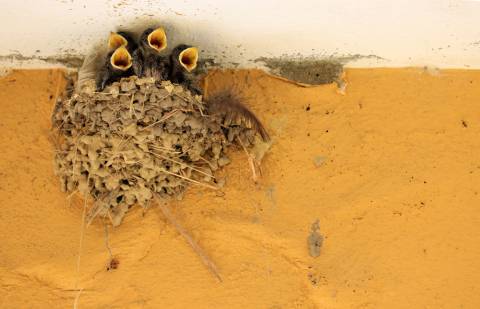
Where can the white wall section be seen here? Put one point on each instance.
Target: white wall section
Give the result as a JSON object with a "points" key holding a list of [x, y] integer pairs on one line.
{"points": [[404, 33]]}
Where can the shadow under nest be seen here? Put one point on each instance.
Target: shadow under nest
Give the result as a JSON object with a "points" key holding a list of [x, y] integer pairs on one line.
{"points": [[141, 139]]}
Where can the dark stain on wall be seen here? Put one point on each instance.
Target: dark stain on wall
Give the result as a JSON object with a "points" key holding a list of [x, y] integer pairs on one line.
{"points": [[311, 70]]}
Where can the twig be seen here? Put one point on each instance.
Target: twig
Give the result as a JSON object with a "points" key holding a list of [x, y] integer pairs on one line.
{"points": [[124, 142], [250, 160], [108, 93], [206, 161], [191, 180], [94, 211], [110, 217], [181, 97], [77, 297], [74, 161], [198, 250], [182, 163], [72, 194], [156, 147], [106, 240], [80, 247], [132, 110], [168, 115]]}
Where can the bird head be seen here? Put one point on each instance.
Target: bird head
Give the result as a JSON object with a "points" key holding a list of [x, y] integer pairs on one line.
{"points": [[154, 39], [186, 56], [121, 59], [115, 40]]}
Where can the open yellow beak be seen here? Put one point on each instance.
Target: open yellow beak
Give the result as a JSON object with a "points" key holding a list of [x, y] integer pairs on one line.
{"points": [[115, 40], [121, 59], [188, 58], [157, 39]]}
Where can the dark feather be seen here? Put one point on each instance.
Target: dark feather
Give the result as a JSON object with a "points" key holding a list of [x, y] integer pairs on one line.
{"points": [[138, 60], [147, 62], [131, 45], [177, 73], [232, 108]]}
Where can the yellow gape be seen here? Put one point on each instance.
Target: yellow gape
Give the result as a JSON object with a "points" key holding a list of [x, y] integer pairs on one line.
{"points": [[157, 39], [115, 40], [188, 58], [121, 59]]}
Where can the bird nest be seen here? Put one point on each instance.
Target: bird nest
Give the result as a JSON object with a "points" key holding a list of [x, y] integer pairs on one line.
{"points": [[140, 139]]}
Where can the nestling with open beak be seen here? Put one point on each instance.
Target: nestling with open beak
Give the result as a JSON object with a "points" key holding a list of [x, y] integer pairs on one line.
{"points": [[148, 59], [183, 61], [96, 63], [121, 38], [118, 64]]}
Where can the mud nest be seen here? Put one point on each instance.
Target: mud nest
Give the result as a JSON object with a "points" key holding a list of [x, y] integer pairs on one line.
{"points": [[140, 139]]}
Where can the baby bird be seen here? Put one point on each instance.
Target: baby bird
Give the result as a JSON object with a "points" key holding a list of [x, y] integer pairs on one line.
{"points": [[118, 61], [117, 64], [121, 38], [148, 60], [183, 60]]}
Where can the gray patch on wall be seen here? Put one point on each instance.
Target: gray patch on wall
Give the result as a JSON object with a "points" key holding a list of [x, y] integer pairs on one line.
{"points": [[311, 70], [67, 60], [307, 71]]}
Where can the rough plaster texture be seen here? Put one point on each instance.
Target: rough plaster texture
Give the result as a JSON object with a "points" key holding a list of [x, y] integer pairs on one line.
{"points": [[401, 33]]}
